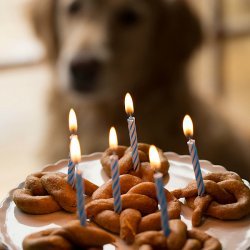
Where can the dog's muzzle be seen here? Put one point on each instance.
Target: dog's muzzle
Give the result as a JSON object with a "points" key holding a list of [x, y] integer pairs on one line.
{"points": [[84, 73]]}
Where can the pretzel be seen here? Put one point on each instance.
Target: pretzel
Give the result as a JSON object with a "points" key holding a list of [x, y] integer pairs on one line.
{"points": [[69, 237], [226, 197], [46, 192], [127, 181], [139, 204], [179, 238], [145, 171]]}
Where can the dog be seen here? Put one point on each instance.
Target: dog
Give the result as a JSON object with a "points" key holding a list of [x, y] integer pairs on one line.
{"points": [[100, 49]]}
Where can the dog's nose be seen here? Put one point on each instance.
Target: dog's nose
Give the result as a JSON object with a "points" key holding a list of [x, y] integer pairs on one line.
{"points": [[84, 73]]}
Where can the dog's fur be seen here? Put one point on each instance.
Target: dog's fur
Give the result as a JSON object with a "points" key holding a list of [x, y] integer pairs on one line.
{"points": [[144, 52]]}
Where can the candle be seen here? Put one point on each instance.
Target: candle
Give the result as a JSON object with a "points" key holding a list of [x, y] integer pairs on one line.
{"points": [[155, 164], [115, 172], [73, 130], [75, 152], [80, 198], [188, 131], [129, 108]]}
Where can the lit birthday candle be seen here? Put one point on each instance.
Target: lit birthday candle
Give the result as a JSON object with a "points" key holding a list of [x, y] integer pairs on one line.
{"points": [[188, 131], [129, 108], [75, 152], [155, 164], [73, 131], [113, 143]]}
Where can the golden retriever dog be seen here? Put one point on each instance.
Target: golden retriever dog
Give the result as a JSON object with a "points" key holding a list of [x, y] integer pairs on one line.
{"points": [[100, 49]]}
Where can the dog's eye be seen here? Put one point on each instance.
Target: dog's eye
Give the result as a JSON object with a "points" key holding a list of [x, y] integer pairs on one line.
{"points": [[127, 17], [74, 7]]}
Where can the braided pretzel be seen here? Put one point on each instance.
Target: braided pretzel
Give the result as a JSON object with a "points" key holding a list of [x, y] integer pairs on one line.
{"points": [[140, 208], [46, 192], [71, 236], [127, 181], [179, 238], [126, 165], [226, 198]]}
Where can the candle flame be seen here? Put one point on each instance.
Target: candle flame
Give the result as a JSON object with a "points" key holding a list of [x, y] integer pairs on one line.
{"points": [[113, 142], [188, 126], [129, 107], [72, 122], [154, 157], [75, 149]]}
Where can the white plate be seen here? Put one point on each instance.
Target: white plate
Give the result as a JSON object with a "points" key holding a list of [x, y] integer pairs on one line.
{"points": [[15, 225]]}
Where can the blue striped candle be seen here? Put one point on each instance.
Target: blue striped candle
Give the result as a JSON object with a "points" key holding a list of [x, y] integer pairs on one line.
{"points": [[73, 131], [80, 198], [188, 131], [196, 166], [71, 173], [132, 131], [163, 203], [113, 143], [133, 142], [116, 184]]}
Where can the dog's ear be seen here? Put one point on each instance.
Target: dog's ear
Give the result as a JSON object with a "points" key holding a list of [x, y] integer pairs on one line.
{"points": [[43, 18], [180, 29], [186, 28]]}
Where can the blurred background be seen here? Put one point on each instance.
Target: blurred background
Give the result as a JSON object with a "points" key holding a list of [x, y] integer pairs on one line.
{"points": [[219, 73]]}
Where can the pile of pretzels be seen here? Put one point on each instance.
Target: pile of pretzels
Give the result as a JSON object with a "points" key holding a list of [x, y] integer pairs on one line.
{"points": [[139, 223], [139, 208], [145, 171]]}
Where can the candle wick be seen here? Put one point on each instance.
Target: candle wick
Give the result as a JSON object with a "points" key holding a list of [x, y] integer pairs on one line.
{"points": [[76, 166], [130, 114], [72, 135]]}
